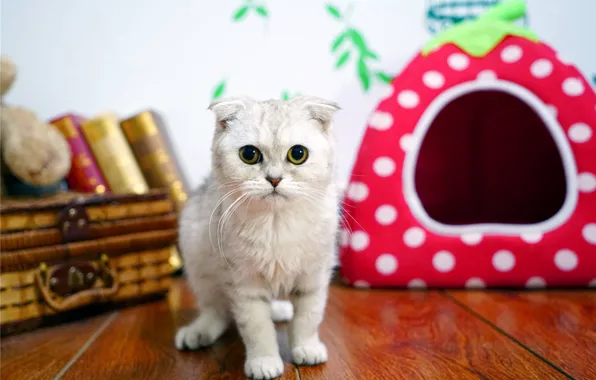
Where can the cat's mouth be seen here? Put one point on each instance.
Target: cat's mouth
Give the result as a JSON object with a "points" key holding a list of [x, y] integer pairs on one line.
{"points": [[275, 195]]}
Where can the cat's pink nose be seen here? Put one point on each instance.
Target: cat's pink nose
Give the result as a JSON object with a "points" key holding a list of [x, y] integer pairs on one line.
{"points": [[273, 181]]}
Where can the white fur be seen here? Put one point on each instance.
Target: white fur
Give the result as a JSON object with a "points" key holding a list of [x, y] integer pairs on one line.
{"points": [[243, 246]]}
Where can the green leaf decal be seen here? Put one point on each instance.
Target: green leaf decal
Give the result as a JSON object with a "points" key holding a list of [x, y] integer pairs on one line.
{"points": [[338, 41], [358, 40], [219, 90], [364, 74], [342, 59], [262, 11], [333, 11], [384, 77], [240, 13], [371, 55]]}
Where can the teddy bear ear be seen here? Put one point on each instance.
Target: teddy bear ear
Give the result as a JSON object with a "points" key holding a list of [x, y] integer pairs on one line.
{"points": [[8, 71]]}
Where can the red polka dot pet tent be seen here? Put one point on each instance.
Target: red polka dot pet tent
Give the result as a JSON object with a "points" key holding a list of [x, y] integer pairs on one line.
{"points": [[478, 169]]}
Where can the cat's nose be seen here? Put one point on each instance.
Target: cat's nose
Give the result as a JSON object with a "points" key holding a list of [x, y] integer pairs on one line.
{"points": [[273, 181]]}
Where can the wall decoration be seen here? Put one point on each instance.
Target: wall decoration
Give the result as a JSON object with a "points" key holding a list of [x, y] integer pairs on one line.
{"points": [[285, 95], [350, 45], [248, 7], [219, 90], [441, 14]]}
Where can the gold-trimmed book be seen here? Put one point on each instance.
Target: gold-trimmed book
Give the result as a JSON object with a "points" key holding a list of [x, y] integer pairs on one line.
{"points": [[114, 156], [144, 134]]}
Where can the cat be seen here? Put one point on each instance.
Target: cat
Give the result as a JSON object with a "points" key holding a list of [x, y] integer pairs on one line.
{"points": [[262, 227]]}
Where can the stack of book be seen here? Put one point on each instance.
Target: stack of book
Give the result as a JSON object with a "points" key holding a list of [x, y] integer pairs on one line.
{"points": [[131, 155]]}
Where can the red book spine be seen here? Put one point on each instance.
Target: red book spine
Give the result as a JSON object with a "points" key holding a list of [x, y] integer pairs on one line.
{"points": [[84, 175]]}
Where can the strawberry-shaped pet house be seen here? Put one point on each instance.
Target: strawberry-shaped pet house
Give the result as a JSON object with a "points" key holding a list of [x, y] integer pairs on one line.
{"points": [[479, 169]]}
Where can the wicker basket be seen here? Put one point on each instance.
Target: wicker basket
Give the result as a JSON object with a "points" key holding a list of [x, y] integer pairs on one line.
{"points": [[63, 254]]}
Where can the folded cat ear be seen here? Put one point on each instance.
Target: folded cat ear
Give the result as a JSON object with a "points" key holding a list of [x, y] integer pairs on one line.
{"points": [[226, 109], [320, 109]]}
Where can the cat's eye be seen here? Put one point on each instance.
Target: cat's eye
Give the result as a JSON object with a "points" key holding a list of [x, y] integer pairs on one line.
{"points": [[250, 154], [297, 154]]}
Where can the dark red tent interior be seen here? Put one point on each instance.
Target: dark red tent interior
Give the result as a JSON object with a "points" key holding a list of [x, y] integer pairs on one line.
{"points": [[488, 158]]}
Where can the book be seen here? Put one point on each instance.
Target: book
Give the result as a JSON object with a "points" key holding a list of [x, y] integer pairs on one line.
{"points": [[113, 155], [154, 155], [85, 175]]}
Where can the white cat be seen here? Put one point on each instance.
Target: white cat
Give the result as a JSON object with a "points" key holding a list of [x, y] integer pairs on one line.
{"points": [[263, 226]]}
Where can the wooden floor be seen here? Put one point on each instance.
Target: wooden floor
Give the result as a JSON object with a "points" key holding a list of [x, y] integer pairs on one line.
{"points": [[370, 335]]}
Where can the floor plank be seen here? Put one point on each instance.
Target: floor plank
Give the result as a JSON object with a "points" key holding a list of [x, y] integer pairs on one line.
{"points": [[384, 335], [42, 353], [139, 344], [559, 326]]}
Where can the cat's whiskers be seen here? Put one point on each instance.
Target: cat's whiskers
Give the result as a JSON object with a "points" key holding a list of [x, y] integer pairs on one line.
{"points": [[219, 202], [222, 221]]}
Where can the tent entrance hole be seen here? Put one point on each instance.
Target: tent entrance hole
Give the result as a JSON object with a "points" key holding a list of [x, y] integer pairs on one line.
{"points": [[487, 157]]}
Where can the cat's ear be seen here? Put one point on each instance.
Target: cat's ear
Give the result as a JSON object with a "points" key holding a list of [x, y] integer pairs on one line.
{"points": [[226, 109], [321, 110]]}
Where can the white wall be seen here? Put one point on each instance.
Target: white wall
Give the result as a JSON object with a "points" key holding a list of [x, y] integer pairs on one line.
{"points": [[127, 55]]}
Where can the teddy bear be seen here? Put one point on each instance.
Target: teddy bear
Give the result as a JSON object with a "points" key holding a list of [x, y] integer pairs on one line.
{"points": [[34, 153]]}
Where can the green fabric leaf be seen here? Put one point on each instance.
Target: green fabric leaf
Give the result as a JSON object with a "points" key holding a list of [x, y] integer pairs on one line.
{"points": [[262, 11], [386, 78], [358, 40], [240, 13], [219, 90], [342, 59], [478, 37], [364, 74], [338, 41], [333, 11]]}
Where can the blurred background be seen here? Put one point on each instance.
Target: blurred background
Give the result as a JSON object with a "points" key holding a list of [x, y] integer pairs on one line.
{"points": [[124, 56]]}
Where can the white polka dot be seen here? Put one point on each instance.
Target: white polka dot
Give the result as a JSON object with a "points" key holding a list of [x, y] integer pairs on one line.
{"points": [[408, 99], [511, 54], [541, 68], [433, 79], [357, 191], [475, 283], [359, 241], [589, 233], [586, 182], [458, 61], [381, 120], [386, 264], [443, 261], [566, 260], [503, 260], [486, 75], [592, 283], [344, 238], [384, 166], [532, 237], [386, 214], [414, 237], [387, 92], [580, 132], [417, 283], [535, 282], [405, 142], [573, 87], [361, 284], [471, 238], [553, 110]]}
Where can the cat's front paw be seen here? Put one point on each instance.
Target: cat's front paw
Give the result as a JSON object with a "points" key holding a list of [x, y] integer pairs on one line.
{"points": [[310, 353], [192, 338], [265, 367]]}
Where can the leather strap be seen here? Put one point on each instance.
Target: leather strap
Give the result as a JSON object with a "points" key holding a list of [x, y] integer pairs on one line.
{"points": [[82, 298]]}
